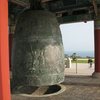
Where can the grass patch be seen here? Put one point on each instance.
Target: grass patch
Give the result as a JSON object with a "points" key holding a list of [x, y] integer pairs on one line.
{"points": [[82, 61]]}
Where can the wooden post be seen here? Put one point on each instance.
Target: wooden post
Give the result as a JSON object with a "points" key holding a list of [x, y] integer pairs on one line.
{"points": [[4, 52]]}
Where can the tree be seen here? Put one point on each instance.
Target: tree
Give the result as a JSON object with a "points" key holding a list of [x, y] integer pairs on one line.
{"points": [[74, 56]]}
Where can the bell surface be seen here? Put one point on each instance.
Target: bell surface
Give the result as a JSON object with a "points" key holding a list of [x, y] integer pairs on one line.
{"points": [[37, 53]]}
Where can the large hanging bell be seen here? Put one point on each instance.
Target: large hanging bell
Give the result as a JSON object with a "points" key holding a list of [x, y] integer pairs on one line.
{"points": [[37, 53]]}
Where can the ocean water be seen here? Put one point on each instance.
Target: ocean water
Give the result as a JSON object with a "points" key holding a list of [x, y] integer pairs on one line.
{"points": [[81, 53]]}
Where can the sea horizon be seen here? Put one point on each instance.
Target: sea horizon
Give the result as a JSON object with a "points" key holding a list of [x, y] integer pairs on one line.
{"points": [[81, 53]]}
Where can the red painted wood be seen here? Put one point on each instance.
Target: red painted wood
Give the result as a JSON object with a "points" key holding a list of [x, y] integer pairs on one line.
{"points": [[97, 50], [4, 52]]}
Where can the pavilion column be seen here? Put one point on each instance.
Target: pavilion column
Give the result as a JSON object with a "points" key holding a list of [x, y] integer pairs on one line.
{"points": [[97, 47], [4, 52]]}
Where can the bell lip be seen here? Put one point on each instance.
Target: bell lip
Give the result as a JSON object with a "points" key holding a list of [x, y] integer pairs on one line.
{"points": [[44, 80]]}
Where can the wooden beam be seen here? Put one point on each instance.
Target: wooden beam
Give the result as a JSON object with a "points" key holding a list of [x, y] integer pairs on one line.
{"points": [[20, 3], [4, 52], [45, 1], [95, 7], [75, 9]]}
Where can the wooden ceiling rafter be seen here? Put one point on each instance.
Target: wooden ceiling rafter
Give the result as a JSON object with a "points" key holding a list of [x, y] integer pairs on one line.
{"points": [[20, 3], [95, 7], [43, 1]]}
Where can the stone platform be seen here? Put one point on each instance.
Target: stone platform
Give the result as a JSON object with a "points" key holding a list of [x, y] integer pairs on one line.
{"points": [[77, 88]]}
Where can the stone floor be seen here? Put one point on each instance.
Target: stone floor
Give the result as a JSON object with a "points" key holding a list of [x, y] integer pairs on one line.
{"points": [[72, 93], [80, 69], [79, 86]]}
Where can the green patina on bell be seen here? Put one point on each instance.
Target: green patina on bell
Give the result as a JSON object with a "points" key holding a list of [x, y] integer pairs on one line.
{"points": [[37, 53]]}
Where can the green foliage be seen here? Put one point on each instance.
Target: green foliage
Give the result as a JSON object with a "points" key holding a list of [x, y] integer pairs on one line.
{"points": [[74, 57], [81, 61]]}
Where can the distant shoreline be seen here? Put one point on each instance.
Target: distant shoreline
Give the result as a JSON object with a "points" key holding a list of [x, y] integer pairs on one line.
{"points": [[81, 53]]}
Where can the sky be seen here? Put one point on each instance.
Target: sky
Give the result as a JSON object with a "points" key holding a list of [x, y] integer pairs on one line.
{"points": [[78, 36]]}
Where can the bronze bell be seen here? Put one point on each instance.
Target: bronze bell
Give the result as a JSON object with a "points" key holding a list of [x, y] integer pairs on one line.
{"points": [[37, 53]]}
